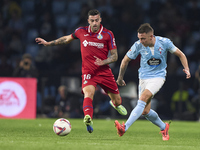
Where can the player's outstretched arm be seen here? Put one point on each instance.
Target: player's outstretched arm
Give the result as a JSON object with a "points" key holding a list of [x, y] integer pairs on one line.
{"points": [[122, 70], [63, 40], [184, 62]]}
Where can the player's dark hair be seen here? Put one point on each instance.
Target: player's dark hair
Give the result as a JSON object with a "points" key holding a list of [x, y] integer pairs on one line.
{"points": [[94, 12], [145, 28]]}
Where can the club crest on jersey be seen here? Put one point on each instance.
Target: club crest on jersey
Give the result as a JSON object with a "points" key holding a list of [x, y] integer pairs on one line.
{"points": [[160, 49], [99, 36]]}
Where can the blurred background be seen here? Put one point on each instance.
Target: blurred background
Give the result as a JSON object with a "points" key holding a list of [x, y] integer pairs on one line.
{"points": [[58, 68]]}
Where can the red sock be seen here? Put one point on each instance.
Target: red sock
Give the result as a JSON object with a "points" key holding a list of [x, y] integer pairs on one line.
{"points": [[88, 107]]}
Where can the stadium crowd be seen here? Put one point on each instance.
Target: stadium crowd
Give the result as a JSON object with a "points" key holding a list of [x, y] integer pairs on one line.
{"points": [[21, 21]]}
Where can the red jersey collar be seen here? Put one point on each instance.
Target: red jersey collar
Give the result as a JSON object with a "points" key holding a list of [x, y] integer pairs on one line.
{"points": [[99, 32]]}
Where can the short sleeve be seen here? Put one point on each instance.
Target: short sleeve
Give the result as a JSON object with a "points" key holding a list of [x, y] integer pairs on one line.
{"points": [[76, 33], [133, 52], [170, 46], [73, 35]]}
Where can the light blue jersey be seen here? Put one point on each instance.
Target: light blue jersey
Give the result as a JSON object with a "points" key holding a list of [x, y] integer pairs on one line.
{"points": [[152, 66]]}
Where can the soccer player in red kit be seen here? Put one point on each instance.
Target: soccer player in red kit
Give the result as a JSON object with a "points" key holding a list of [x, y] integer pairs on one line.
{"points": [[96, 42]]}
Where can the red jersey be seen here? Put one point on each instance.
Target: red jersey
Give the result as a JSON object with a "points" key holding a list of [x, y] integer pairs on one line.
{"points": [[94, 44]]}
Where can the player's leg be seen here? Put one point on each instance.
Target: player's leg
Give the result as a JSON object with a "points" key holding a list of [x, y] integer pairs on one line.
{"points": [[135, 113], [144, 97], [152, 116], [116, 103], [154, 86], [116, 99], [139, 108], [88, 91], [109, 85]]}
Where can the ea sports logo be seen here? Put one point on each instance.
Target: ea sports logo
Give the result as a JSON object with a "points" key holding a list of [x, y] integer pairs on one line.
{"points": [[12, 98]]}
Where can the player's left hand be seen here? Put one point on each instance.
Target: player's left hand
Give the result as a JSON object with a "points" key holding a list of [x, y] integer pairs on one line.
{"points": [[98, 61], [187, 72]]}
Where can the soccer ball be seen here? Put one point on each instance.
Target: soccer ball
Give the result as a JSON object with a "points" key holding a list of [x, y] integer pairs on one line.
{"points": [[62, 127]]}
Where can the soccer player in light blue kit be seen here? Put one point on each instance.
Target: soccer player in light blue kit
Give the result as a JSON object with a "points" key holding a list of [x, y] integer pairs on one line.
{"points": [[152, 72]]}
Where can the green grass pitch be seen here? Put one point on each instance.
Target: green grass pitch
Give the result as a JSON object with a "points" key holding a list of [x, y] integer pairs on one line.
{"points": [[142, 135]]}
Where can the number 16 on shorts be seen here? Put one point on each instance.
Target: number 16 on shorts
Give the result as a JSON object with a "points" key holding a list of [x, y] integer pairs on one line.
{"points": [[86, 76]]}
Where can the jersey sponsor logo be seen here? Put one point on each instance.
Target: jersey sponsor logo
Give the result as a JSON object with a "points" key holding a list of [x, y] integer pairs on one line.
{"points": [[154, 62], [95, 44], [86, 34], [99, 36], [85, 43]]}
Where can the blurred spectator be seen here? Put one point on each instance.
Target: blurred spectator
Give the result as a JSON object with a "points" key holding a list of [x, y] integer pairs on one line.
{"points": [[2, 45], [75, 69], [26, 68], [15, 24], [2, 23], [83, 14], [41, 7], [67, 104], [196, 97], [104, 7], [44, 58], [197, 77], [46, 26], [5, 67], [10, 6], [15, 46], [181, 105], [196, 85], [192, 12]]}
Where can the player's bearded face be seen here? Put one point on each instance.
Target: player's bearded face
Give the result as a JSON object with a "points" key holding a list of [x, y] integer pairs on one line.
{"points": [[94, 22]]}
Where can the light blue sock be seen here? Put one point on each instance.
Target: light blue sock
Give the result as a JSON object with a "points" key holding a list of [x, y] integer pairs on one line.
{"points": [[135, 114], [155, 119]]}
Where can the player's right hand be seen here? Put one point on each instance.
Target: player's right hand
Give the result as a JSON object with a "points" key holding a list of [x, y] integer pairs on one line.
{"points": [[41, 41], [121, 82]]}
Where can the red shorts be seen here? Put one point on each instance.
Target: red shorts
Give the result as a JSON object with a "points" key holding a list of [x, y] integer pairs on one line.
{"points": [[107, 83]]}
